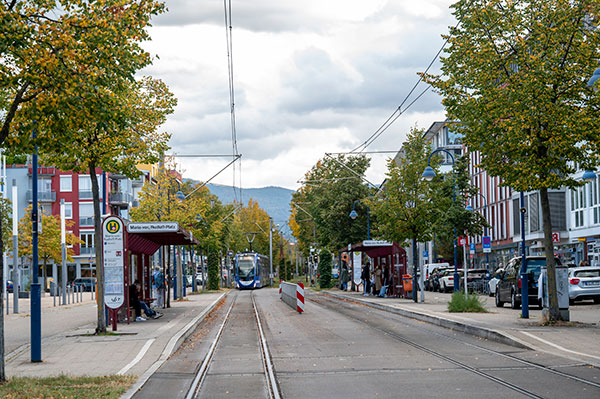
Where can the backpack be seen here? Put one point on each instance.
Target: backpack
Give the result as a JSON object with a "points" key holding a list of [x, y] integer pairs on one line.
{"points": [[158, 280]]}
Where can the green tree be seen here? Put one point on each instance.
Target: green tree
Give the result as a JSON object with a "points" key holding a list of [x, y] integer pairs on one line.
{"points": [[322, 205], [515, 76], [324, 268], [212, 264]]}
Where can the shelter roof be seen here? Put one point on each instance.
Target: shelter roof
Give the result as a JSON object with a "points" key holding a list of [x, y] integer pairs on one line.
{"points": [[148, 237], [377, 248]]}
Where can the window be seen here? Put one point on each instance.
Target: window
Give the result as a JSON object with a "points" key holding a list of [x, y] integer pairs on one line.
{"points": [[44, 185], [452, 137], [88, 239], [85, 184], [578, 204], [66, 183], [68, 210], [86, 214], [595, 199]]}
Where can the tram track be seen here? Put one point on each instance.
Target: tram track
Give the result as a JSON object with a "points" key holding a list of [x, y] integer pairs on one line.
{"points": [[269, 373], [334, 304]]}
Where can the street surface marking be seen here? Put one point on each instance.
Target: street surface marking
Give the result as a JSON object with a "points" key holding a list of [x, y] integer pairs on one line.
{"points": [[139, 357], [559, 347]]}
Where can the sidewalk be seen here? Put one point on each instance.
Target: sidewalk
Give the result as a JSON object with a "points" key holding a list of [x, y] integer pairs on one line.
{"points": [[69, 346], [578, 341]]}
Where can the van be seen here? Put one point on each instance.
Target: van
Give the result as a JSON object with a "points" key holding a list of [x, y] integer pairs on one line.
{"points": [[430, 266]]}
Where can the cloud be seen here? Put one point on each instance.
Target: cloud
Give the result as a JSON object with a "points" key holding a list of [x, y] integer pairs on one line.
{"points": [[310, 77]]}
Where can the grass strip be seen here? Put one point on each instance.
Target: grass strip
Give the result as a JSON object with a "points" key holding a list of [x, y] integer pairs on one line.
{"points": [[65, 387]]}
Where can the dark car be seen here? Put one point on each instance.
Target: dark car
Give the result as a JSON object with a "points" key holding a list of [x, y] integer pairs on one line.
{"points": [[434, 278], [509, 287], [87, 283], [9, 286]]}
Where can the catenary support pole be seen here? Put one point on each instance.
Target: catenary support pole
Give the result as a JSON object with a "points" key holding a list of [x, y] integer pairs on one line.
{"points": [[63, 250], [16, 271], [36, 305]]}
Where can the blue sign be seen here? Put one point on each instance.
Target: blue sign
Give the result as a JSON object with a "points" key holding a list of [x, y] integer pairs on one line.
{"points": [[487, 244], [426, 254], [472, 248]]}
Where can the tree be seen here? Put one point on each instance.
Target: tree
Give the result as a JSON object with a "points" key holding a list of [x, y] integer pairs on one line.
{"points": [[324, 268], [321, 206], [515, 76], [49, 240], [212, 264]]}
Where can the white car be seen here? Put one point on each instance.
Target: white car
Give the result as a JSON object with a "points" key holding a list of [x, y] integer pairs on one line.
{"points": [[584, 283], [447, 280], [494, 281]]}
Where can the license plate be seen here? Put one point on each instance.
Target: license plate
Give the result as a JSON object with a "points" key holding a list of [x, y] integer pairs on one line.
{"points": [[591, 283]]}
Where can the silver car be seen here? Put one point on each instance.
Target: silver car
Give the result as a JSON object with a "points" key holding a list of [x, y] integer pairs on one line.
{"points": [[494, 281], [584, 283]]}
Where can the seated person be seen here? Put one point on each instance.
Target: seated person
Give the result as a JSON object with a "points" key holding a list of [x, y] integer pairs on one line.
{"points": [[137, 305]]}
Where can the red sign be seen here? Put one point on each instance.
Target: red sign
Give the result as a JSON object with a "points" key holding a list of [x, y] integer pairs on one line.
{"points": [[463, 240], [556, 236]]}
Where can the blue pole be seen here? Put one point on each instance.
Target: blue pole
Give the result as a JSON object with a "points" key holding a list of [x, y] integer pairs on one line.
{"points": [[36, 304], [524, 277], [368, 227], [183, 271], [174, 272]]}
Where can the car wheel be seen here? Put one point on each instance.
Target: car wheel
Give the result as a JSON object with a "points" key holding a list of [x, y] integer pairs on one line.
{"points": [[441, 289], [597, 300], [571, 301], [514, 304], [499, 303]]}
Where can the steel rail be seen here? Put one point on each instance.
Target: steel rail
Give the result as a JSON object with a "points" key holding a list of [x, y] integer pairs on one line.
{"points": [[270, 374], [443, 357]]}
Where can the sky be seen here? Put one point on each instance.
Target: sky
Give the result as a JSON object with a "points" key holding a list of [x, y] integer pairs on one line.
{"points": [[310, 77]]}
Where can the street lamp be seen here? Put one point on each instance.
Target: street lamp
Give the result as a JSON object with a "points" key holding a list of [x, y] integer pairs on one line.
{"points": [[428, 175], [353, 215]]}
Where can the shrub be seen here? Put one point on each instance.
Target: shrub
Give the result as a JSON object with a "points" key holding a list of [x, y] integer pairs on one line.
{"points": [[212, 264], [471, 303], [325, 269]]}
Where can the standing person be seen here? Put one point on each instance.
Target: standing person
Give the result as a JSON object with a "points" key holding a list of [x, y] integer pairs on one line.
{"points": [[377, 280], [344, 276], [366, 278], [158, 287]]}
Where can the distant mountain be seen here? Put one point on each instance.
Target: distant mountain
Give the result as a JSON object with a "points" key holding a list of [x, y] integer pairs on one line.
{"points": [[274, 200]]}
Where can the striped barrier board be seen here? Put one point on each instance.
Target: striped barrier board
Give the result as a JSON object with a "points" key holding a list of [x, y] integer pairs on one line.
{"points": [[293, 295]]}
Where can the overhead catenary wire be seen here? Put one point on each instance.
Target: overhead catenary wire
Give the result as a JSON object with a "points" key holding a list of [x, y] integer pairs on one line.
{"points": [[399, 110]]}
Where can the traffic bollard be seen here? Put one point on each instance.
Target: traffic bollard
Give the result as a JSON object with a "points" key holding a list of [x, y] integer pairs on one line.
{"points": [[53, 293]]}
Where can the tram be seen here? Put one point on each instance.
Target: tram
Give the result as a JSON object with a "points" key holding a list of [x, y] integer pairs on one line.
{"points": [[251, 270]]}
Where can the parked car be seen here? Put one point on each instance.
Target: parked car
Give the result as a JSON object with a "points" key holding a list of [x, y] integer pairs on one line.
{"points": [[446, 280], [9, 286], [509, 287], [87, 283], [433, 282], [429, 269], [584, 283], [494, 281]]}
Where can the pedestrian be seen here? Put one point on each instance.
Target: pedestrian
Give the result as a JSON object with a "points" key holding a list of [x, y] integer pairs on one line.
{"points": [[137, 305], [365, 276], [377, 278], [158, 287], [344, 277]]}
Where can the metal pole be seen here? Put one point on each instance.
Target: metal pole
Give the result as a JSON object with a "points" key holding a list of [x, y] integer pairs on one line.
{"points": [[523, 272], [36, 305], [270, 253], [465, 265], [174, 268], [368, 225], [16, 273]]}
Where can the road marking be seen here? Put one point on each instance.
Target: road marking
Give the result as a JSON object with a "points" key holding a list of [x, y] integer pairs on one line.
{"points": [[559, 347], [139, 357]]}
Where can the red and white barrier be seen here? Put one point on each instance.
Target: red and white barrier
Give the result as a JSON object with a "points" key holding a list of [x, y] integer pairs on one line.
{"points": [[293, 295]]}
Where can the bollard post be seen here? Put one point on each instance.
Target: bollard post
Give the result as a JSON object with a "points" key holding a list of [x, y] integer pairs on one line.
{"points": [[81, 293], [73, 295], [68, 295], [53, 287]]}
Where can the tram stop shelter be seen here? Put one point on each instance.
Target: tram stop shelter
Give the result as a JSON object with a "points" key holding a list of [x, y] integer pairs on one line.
{"points": [[142, 241], [390, 256]]}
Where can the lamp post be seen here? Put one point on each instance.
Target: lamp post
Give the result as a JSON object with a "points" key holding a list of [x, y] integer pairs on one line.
{"points": [[429, 174], [353, 215]]}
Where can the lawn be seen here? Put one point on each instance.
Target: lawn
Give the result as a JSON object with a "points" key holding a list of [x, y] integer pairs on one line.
{"points": [[64, 387]]}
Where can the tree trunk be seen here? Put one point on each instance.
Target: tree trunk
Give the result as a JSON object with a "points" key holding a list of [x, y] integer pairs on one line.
{"points": [[554, 313], [2, 284], [168, 285], [101, 327]]}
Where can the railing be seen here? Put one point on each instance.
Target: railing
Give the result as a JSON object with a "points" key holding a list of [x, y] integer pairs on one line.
{"points": [[43, 196], [120, 198], [86, 222], [87, 251]]}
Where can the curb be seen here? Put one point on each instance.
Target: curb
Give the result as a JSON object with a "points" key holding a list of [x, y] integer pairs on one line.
{"points": [[173, 344], [492, 335]]}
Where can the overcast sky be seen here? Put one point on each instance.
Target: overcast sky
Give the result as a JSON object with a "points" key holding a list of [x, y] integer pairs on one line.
{"points": [[311, 76]]}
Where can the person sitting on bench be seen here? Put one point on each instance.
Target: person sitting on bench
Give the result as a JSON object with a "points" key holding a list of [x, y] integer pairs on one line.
{"points": [[137, 305]]}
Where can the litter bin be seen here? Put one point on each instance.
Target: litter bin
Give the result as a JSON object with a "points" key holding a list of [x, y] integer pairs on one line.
{"points": [[407, 282]]}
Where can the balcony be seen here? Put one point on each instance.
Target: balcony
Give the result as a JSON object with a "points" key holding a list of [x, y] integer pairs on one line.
{"points": [[86, 221], [120, 198], [43, 196], [87, 251]]}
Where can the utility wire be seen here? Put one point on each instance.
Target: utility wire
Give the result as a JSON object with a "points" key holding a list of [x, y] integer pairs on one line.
{"points": [[399, 111]]}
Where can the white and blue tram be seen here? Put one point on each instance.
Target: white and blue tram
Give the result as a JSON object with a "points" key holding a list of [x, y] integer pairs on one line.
{"points": [[251, 270]]}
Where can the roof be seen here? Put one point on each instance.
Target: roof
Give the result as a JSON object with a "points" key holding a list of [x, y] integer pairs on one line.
{"points": [[146, 238]]}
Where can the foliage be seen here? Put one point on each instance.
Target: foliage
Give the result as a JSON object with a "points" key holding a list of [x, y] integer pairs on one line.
{"points": [[515, 76], [49, 245], [324, 268], [288, 270], [320, 208], [6, 215], [281, 269], [65, 387], [212, 263], [471, 303]]}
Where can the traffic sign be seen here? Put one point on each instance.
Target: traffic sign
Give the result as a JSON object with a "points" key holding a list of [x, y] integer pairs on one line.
{"points": [[472, 248], [556, 236], [426, 254], [487, 244]]}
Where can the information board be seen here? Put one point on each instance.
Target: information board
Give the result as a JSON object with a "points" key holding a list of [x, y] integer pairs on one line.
{"points": [[113, 251], [357, 266]]}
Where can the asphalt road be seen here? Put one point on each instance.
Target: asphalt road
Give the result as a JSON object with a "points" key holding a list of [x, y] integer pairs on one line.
{"points": [[344, 350]]}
